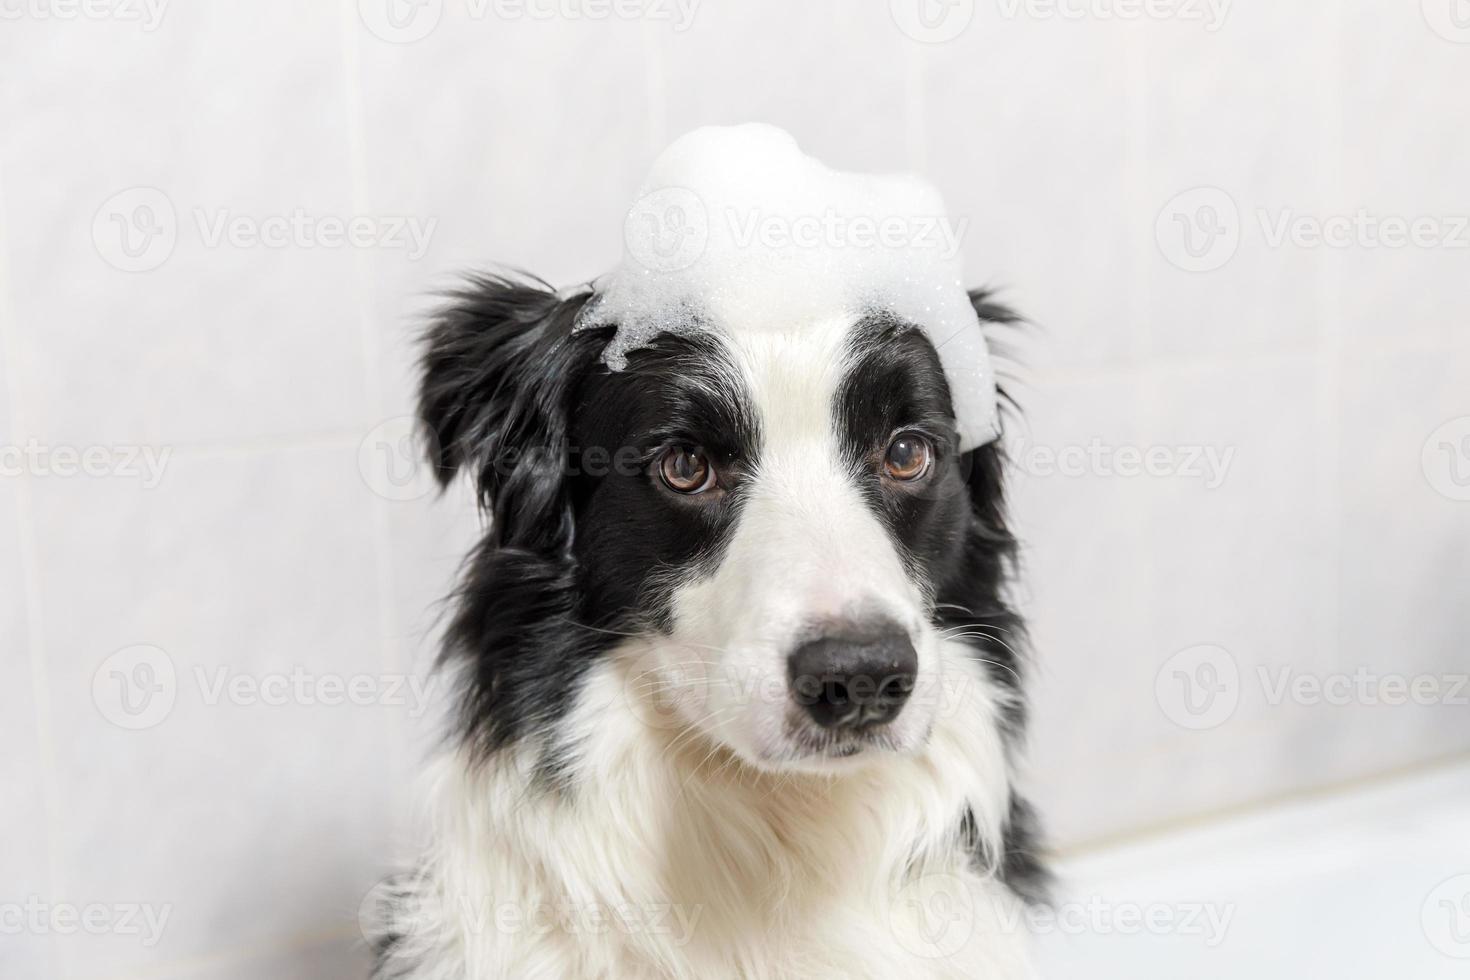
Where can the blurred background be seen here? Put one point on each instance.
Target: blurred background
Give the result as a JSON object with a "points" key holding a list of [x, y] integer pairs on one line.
{"points": [[1243, 481]]}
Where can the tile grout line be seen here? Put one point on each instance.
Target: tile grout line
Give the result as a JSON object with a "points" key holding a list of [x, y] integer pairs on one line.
{"points": [[326, 439], [1329, 345], [388, 633], [29, 554], [916, 130], [1073, 374], [1138, 46]]}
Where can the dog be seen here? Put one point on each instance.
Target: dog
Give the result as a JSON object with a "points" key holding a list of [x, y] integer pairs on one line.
{"points": [[739, 690]]}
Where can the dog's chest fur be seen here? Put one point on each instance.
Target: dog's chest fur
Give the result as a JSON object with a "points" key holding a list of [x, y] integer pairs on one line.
{"points": [[660, 859]]}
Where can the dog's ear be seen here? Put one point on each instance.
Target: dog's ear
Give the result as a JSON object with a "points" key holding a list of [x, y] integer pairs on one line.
{"points": [[986, 466], [989, 310], [499, 368], [1001, 326]]}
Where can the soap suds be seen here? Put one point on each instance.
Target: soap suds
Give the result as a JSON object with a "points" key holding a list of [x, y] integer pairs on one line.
{"points": [[735, 229]]}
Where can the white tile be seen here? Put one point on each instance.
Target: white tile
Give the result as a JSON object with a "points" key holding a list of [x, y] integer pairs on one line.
{"points": [[24, 834], [1037, 161], [1401, 84], [251, 821], [746, 63], [1244, 564], [6, 425], [1405, 548], [1200, 775], [1241, 110], [428, 540], [1256, 567], [1140, 567], [234, 109], [427, 534], [1084, 578], [523, 140]]}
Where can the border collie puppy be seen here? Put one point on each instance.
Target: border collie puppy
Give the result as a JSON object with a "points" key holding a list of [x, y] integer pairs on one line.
{"points": [[740, 695]]}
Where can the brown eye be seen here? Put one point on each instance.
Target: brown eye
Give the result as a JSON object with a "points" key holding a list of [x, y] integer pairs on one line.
{"points": [[909, 457], [686, 470]]}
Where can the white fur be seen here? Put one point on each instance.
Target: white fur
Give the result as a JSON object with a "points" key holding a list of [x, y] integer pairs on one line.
{"points": [[718, 869], [687, 819], [807, 550]]}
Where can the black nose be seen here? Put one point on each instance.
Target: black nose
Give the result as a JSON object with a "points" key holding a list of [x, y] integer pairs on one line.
{"points": [[854, 679]]}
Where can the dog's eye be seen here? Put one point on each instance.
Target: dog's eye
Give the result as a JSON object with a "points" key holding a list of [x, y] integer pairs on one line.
{"points": [[686, 470], [909, 457]]}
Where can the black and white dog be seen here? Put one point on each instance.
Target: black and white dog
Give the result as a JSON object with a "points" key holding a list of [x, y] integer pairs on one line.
{"points": [[741, 695]]}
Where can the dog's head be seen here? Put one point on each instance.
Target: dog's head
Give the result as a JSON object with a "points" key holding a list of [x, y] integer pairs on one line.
{"points": [[774, 532]]}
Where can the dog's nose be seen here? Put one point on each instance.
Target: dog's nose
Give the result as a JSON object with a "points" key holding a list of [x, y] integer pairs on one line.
{"points": [[854, 680]]}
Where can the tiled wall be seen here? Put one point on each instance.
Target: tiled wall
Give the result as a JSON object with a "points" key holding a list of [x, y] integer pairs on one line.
{"points": [[276, 544]]}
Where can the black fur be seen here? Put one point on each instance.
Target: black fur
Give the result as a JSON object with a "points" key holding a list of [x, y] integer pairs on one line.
{"points": [[583, 542], [633, 533], [500, 365], [953, 533]]}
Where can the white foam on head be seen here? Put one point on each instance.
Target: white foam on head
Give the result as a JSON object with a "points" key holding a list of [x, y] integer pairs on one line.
{"points": [[735, 229]]}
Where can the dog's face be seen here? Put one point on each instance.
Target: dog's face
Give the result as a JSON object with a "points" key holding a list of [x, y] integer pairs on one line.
{"points": [[770, 525], [796, 496]]}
